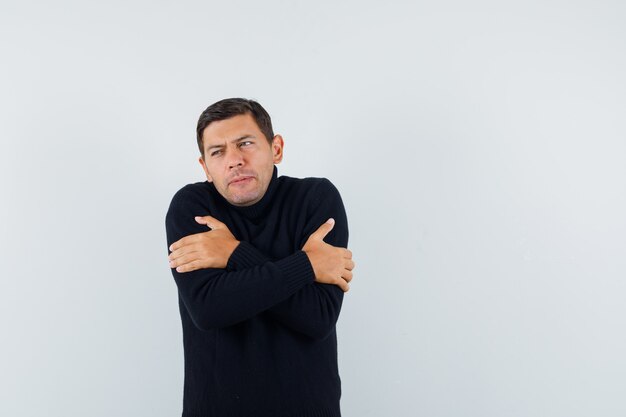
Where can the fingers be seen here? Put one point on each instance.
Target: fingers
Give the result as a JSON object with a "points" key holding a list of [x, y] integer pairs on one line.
{"points": [[179, 258], [323, 230], [188, 244], [210, 221], [347, 276], [203, 219], [191, 266], [343, 284], [181, 243], [349, 264], [175, 246]]}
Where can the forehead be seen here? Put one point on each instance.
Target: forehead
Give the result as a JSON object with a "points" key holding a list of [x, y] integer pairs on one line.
{"points": [[229, 129]]}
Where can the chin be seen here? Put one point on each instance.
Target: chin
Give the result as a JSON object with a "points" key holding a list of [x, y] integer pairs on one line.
{"points": [[244, 200]]}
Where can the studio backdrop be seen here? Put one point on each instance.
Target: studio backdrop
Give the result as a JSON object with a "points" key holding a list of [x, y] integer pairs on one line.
{"points": [[479, 148]]}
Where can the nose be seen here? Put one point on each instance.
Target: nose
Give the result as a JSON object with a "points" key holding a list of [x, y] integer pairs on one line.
{"points": [[235, 158]]}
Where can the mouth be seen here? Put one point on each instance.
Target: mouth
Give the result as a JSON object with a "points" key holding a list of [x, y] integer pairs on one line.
{"points": [[241, 180]]}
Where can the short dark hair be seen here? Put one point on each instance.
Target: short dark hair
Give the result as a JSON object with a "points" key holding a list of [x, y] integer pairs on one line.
{"points": [[230, 107]]}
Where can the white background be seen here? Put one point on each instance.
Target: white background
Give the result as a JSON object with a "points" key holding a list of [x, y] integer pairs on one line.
{"points": [[479, 148]]}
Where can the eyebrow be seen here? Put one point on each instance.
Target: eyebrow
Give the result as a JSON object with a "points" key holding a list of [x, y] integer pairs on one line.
{"points": [[239, 139]]}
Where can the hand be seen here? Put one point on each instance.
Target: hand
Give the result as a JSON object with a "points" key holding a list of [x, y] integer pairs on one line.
{"points": [[331, 265], [203, 250]]}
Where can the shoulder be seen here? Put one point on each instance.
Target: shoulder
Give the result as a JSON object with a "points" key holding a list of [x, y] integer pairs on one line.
{"points": [[309, 186], [317, 200], [195, 188], [191, 195], [311, 195]]}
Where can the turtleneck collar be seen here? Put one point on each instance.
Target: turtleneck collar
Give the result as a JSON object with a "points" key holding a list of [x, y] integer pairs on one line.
{"points": [[257, 209]]}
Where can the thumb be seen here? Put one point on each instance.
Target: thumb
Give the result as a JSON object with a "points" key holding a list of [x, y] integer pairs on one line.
{"points": [[324, 229], [211, 222]]}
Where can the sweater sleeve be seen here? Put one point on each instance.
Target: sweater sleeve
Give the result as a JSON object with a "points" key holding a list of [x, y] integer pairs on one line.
{"points": [[217, 297], [314, 309]]}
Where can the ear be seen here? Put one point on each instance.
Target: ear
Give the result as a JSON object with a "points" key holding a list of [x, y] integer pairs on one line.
{"points": [[277, 148], [206, 171]]}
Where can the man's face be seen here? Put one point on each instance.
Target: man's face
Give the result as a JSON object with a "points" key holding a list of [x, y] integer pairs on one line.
{"points": [[238, 159]]}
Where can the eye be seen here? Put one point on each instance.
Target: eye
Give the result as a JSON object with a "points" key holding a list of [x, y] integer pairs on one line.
{"points": [[216, 152], [245, 143]]}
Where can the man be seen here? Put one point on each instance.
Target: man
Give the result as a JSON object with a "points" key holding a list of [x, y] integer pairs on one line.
{"points": [[260, 290]]}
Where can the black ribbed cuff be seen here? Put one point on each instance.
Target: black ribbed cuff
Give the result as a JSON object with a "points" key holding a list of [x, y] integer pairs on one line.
{"points": [[245, 256], [297, 270]]}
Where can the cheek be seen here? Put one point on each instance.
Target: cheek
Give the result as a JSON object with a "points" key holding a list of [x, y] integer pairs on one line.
{"points": [[212, 172]]}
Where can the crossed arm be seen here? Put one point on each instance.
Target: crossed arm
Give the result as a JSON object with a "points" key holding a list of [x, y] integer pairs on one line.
{"points": [[213, 249], [222, 281]]}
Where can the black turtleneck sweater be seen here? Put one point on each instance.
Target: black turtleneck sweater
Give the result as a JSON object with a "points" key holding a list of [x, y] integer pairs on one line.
{"points": [[259, 336]]}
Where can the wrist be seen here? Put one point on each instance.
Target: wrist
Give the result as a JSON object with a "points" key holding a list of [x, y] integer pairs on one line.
{"points": [[312, 260], [229, 249]]}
